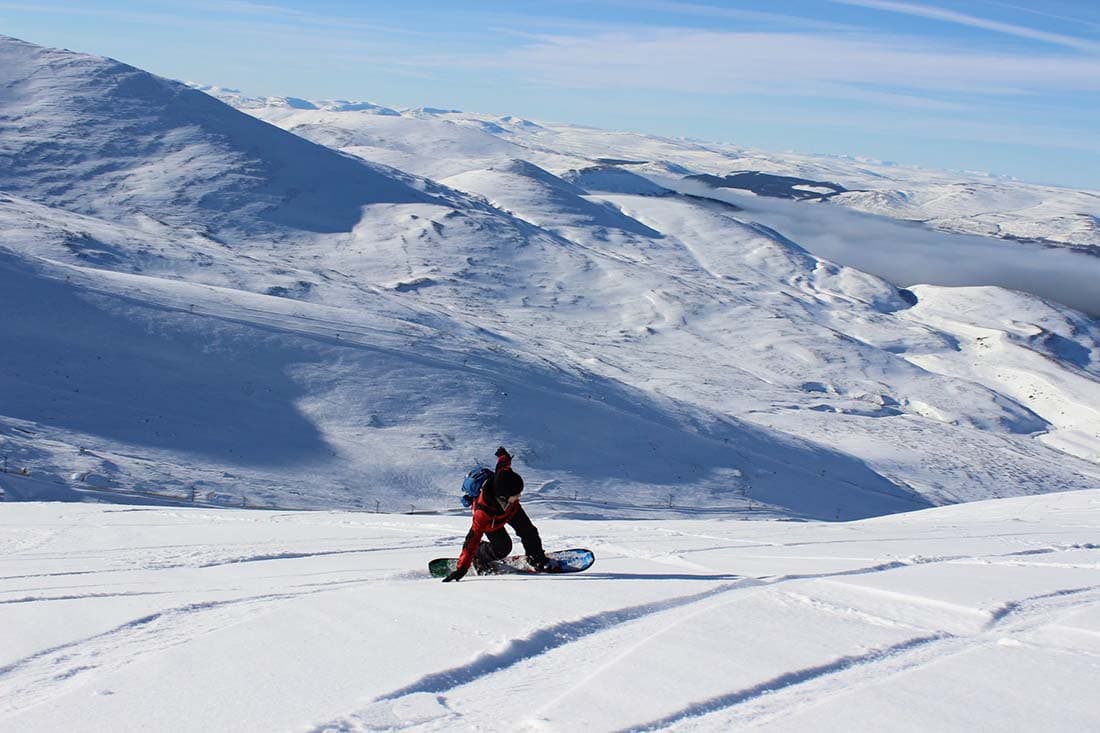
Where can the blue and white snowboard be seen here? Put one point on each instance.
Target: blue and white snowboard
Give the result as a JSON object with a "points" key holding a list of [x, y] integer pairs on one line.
{"points": [[561, 561]]}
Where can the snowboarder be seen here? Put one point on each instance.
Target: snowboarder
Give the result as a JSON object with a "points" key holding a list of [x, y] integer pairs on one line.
{"points": [[496, 506]]}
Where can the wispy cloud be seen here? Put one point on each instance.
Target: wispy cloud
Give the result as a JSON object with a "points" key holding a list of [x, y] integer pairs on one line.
{"points": [[257, 8], [1045, 14], [782, 63], [248, 16], [713, 11], [949, 128], [303, 20], [950, 16]]}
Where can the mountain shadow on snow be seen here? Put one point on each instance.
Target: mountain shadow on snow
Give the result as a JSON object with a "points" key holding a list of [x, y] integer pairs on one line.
{"points": [[767, 184], [139, 375]]}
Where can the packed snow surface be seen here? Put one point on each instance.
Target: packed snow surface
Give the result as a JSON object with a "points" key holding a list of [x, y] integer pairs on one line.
{"points": [[983, 616]]}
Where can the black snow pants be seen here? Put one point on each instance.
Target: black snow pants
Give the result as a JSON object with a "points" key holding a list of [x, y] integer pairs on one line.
{"points": [[499, 543]]}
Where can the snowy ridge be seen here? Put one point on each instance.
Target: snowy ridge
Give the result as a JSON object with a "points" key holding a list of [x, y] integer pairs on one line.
{"points": [[613, 179], [98, 137], [545, 200], [1009, 212], [958, 202]]}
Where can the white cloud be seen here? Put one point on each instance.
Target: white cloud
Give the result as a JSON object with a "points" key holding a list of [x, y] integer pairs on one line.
{"points": [[730, 63], [712, 11], [1042, 13], [257, 8], [227, 16], [959, 129], [950, 16], [922, 255]]}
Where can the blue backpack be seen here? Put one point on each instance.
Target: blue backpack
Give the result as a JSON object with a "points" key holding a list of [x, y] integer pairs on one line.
{"points": [[471, 485]]}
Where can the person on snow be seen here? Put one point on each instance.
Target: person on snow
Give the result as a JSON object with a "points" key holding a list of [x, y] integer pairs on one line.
{"points": [[496, 506]]}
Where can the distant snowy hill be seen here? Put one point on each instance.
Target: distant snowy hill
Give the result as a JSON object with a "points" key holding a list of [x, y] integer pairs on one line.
{"points": [[968, 203], [208, 307], [1051, 234], [98, 137], [1029, 213], [952, 202]]}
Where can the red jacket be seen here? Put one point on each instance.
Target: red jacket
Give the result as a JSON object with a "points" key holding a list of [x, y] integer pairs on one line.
{"points": [[485, 520]]}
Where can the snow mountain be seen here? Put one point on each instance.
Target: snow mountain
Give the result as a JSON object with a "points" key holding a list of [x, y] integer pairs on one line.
{"points": [[951, 201], [97, 137], [209, 305], [218, 314]]}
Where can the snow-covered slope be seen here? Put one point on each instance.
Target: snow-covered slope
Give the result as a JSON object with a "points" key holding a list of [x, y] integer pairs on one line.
{"points": [[984, 616], [544, 199], [1022, 213], [206, 305], [98, 137]]}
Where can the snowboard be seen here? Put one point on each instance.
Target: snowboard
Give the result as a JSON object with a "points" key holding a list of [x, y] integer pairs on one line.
{"points": [[561, 561]]}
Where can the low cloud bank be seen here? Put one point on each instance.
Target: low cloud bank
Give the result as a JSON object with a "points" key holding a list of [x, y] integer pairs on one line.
{"points": [[910, 254]]}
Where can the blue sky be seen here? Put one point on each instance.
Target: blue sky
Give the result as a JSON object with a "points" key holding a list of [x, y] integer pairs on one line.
{"points": [[1009, 87]]}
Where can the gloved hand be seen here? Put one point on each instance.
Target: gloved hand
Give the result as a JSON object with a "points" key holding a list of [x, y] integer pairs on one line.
{"points": [[455, 575]]}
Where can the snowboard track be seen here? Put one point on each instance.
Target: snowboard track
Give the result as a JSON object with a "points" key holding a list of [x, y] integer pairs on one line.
{"points": [[547, 639], [788, 693], [780, 696]]}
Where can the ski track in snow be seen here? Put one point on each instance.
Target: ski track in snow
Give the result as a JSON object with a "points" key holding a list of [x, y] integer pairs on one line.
{"points": [[786, 695], [600, 642], [628, 613], [33, 679], [794, 682], [546, 640], [529, 650]]}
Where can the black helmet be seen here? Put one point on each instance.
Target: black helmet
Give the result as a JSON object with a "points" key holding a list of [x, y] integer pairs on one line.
{"points": [[507, 483]]}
